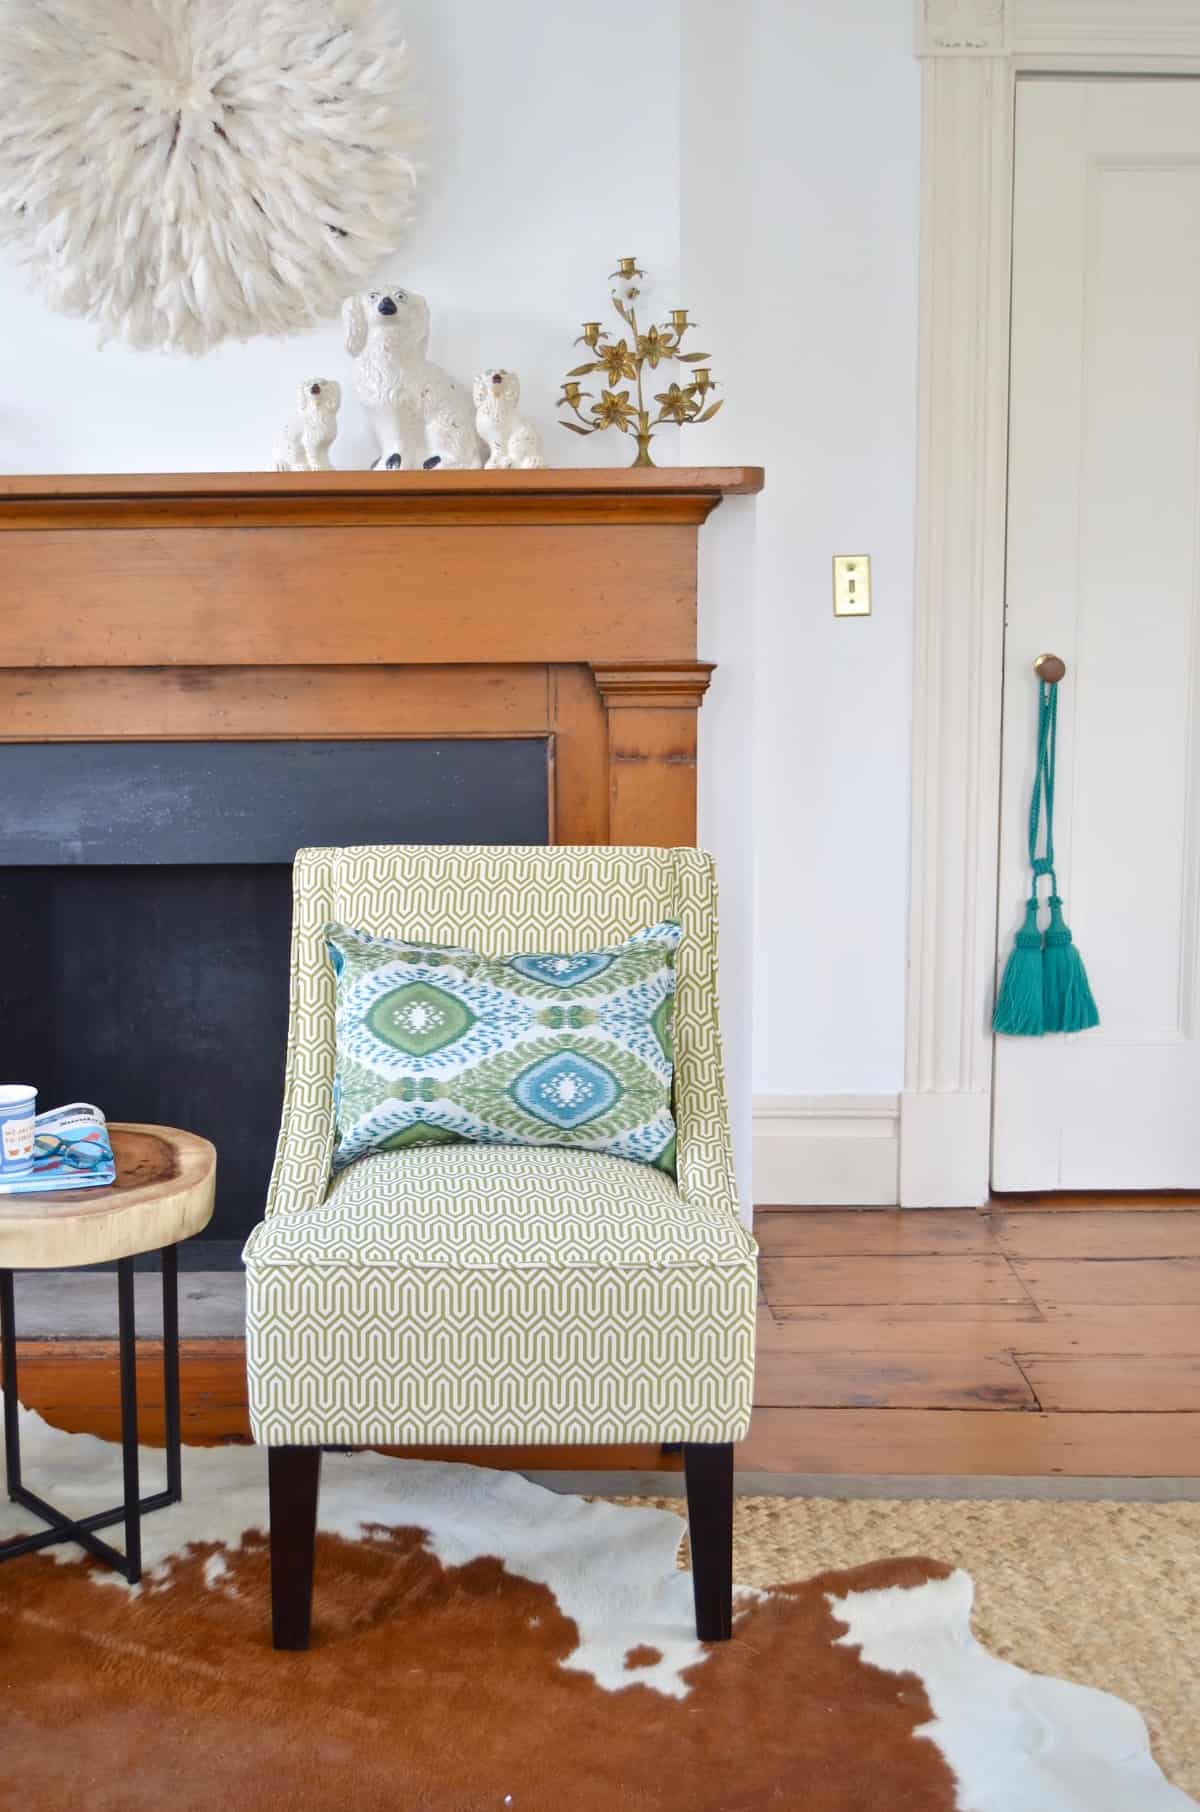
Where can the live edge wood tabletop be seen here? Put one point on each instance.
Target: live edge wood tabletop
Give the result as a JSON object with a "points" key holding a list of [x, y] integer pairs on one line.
{"points": [[163, 1194]]}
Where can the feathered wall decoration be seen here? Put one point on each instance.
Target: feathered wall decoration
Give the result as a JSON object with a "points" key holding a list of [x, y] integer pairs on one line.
{"points": [[183, 172]]}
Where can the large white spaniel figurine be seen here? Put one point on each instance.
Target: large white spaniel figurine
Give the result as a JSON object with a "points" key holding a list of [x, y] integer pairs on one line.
{"points": [[422, 417]]}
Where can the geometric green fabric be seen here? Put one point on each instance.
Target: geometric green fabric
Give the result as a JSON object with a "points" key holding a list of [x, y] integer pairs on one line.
{"points": [[489, 1293], [436, 1046], [501, 1294]]}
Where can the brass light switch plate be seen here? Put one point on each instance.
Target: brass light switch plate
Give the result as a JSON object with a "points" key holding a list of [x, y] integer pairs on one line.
{"points": [[852, 585]]}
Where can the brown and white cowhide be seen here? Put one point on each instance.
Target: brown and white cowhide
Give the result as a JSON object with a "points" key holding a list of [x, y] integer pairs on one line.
{"points": [[481, 1643]]}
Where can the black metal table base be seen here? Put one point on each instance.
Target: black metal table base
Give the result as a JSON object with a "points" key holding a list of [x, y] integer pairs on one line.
{"points": [[133, 1507]]}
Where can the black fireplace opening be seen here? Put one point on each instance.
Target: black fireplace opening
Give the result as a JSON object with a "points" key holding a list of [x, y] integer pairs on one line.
{"points": [[161, 994], [145, 908]]}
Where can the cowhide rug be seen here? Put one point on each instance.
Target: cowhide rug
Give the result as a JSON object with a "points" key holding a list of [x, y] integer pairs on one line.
{"points": [[482, 1643]]}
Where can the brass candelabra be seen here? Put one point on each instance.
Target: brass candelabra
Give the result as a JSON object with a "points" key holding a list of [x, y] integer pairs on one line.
{"points": [[624, 360]]}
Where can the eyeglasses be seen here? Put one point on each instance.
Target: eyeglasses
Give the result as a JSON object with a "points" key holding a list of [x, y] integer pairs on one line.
{"points": [[83, 1154]]}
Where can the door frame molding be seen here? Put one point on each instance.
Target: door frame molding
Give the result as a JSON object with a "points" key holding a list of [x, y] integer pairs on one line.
{"points": [[972, 53]]}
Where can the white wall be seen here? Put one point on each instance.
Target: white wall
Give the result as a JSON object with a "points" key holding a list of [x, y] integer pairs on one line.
{"points": [[536, 184], [801, 175], [837, 146], [763, 164], [713, 219]]}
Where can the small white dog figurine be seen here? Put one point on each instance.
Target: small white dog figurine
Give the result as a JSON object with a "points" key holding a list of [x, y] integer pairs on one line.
{"points": [[508, 437], [305, 442], [422, 417]]}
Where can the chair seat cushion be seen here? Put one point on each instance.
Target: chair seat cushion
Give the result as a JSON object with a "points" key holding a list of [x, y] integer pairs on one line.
{"points": [[498, 1294]]}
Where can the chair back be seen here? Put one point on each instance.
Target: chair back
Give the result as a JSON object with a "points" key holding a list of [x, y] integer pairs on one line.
{"points": [[497, 901]]}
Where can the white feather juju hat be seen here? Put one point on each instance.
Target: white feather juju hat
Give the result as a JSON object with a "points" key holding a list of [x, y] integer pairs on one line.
{"points": [[184, 172]]}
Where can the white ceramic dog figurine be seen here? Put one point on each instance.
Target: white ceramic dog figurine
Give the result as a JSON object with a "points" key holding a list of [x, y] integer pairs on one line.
{"points": [[508, 437], [422, 417], [306, 440]]}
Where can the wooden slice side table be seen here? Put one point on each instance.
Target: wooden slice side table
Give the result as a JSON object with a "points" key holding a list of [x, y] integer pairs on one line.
{"points": [[163, 1194]]}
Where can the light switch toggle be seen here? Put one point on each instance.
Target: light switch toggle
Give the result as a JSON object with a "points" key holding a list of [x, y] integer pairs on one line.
{"points": [[851, 585]]}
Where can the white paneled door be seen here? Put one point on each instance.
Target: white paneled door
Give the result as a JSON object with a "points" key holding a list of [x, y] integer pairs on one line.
{"points": [[1104, 570]]}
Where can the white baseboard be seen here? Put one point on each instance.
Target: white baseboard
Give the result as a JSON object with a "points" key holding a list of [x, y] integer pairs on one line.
{"points": [[836, 1151], [945, 1149]]}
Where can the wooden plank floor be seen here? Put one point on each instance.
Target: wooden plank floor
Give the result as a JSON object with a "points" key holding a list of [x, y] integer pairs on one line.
{"points": [[1022, 1341]]}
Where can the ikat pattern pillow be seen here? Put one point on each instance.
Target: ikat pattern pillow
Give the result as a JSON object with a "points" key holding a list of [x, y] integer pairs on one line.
{"points": [[437, 1045]]}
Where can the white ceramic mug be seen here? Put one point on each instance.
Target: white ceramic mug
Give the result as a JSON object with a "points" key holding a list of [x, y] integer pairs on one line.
{"points": [[18, 1116]]}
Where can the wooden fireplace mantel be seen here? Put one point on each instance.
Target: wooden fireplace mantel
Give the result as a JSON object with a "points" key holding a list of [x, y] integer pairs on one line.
{"points": [[552, 604], [555, 605]]}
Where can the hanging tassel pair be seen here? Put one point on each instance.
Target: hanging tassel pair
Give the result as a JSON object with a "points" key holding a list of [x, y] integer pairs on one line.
{"points": [[1045, 986]]}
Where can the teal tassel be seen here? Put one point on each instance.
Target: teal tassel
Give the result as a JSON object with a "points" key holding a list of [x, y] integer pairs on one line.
{"points": [[1019, 1008], [1068, 1005], [1045, 986]]}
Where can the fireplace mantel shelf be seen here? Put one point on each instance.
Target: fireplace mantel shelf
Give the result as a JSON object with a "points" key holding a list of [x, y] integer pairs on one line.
{"points": [[563, 481], [348, 499]]}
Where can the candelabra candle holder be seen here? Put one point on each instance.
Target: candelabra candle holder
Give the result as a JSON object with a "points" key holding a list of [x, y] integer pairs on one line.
{"points": [[626, 360]]}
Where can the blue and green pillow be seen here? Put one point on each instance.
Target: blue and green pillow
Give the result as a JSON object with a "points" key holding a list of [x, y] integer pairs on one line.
{"points": [[437, 1045]]}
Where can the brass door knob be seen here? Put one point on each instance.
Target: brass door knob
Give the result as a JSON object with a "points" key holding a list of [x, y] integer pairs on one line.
{"points": [[1050, 668]]}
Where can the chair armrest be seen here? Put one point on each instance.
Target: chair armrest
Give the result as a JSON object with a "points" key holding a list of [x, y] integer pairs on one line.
{"points": [[304, 1150], [704, 1158]]}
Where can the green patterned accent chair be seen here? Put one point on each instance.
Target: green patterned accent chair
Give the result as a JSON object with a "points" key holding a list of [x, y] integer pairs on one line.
{"points": [[462, 1295]]}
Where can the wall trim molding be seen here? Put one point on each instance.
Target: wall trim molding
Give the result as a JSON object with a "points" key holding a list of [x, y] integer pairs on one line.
{"points": [[653, 685], [1138, 31], [826, 1151], [950, 27], [973, 51]]}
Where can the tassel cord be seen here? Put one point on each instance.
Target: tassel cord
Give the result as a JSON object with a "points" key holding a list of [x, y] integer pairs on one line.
{"points": [[1045, 986], [1043, 786]]}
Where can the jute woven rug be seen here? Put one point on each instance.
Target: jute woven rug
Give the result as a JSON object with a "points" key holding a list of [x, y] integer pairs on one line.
{"points": [[1104, 1593], [481, 1643]]}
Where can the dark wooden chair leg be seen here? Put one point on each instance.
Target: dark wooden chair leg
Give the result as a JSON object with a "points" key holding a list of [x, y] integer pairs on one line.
{"points": [[708, 1471], [294, 1477]]}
